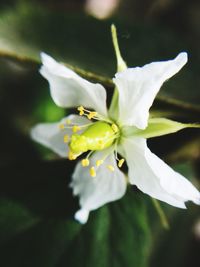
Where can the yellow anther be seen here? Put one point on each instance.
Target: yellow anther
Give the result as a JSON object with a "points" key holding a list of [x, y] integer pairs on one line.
{"points": [[99, 162], [91, 115], [61, 126], [81, 110], [92, 172], [121, 162], [85, 162], [115, 128], [71, 155], [68, 121], [76, 128], [111, 168], [66, 138]]}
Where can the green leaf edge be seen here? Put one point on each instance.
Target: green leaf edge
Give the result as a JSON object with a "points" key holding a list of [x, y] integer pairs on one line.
{"points": [[158, 127]]}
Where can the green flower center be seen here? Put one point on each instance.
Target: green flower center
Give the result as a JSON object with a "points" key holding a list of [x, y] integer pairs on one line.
{"points": [[98, 136]]}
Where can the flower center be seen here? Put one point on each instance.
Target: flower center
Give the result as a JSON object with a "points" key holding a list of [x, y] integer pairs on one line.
{"points": [[97, 136]]}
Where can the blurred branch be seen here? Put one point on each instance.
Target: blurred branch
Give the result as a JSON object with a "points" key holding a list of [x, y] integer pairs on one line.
{"points": [[18, 58], [33, 61], [163, 102], [107, 82]]}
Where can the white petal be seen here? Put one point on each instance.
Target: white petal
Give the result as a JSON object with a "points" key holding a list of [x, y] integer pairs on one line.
{"points": [[94, 192], [155, 178], [82, 215], [70, 90], [51, 136], [138, 87]]}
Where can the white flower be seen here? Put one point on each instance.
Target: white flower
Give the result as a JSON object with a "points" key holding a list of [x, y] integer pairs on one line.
{"points": [[113, 135]]}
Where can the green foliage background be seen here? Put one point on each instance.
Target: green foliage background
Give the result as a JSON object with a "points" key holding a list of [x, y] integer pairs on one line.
{"points": [[36, 205]]}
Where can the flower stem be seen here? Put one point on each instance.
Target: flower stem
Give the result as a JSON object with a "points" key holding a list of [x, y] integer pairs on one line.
{"points": [[161, 214], [121, 65]]}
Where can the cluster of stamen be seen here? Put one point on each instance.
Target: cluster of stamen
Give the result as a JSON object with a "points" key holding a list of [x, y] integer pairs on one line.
{"points": [[69, 125], [75, 128], [89, 114], [93, 169], [67, 138]]}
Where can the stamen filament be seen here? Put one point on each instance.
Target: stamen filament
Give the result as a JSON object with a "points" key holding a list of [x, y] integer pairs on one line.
{"points": [[69, 125], [89, 154], [91, 114], [76, 128]]}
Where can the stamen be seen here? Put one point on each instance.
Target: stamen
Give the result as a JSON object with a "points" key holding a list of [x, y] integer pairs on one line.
{"points": [[99, 162], [76, 128], [111, 168], [120, 163], [61, 126], [85, 162], [92, 172], [68, 121], [115, 128], [81, 110], [92, 115], [71, 155], [66, 138]]}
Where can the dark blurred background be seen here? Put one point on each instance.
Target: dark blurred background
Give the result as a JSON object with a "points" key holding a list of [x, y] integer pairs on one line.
{"points": [[36, 204]]}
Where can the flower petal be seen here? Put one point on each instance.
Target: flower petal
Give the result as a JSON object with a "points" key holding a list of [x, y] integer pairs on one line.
{"points": [[94, 192], [155, 178], [138, 87], [82, 215], [70, 90], [51, 136]]}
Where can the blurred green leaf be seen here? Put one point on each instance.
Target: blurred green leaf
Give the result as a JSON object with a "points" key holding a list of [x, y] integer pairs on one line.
{"points": [[14, 219], [38, 228], [178, 247], [181, 241]]}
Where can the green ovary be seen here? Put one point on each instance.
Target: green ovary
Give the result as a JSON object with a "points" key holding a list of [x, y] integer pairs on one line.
{"points": [[98, 136]]}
